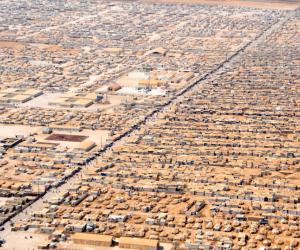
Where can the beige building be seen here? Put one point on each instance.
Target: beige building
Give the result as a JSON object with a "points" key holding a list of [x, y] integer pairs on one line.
{"points": [[137, 243], [92, 239]]}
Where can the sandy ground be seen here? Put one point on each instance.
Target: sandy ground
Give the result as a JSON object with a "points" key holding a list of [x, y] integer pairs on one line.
{"points": [[55, 48], [22, 241], [135, 91], [13, 130], [264, 4], [132, 79], [69, 245], [11, 45]]}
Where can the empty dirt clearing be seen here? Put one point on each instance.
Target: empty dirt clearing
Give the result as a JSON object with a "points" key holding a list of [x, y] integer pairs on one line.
{"points": [[284, 5]]}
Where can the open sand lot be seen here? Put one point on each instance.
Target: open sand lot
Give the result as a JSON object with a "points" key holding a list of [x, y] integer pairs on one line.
{"points": [[11, 45], [13, 130], [25, 240], [164, 246], [284, 5]]}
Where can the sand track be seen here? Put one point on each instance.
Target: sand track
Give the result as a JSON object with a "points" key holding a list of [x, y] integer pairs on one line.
{"points": [[272, 4]]}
